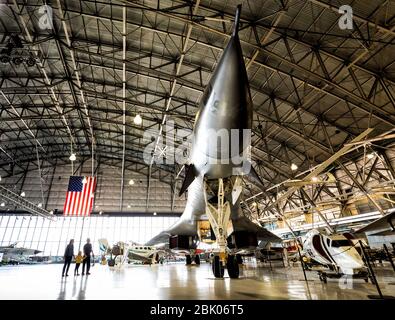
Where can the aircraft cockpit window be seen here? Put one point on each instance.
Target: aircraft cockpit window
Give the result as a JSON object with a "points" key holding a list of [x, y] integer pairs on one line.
{"points": [[145, 248], [340, 243]]}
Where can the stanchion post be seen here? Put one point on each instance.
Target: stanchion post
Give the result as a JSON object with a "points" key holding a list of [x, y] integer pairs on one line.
{"points": [[389, 256], [371, 271], [302, 263]]}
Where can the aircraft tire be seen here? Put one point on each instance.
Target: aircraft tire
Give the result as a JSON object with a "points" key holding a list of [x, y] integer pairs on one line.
{"points": [[233, 267], [189, 259], [218, 268], [239, 259], [197, 259]]}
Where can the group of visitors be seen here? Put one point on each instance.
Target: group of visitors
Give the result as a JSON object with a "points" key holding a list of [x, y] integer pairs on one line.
{"points": [[85, 258]]}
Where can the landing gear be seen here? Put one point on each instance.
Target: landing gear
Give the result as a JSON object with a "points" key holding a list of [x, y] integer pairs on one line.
{"points": [[239, 259], [323, 277], [197, 259], [219, 216], [218, 268], [233, 267], [189, 259], [231, 264]]}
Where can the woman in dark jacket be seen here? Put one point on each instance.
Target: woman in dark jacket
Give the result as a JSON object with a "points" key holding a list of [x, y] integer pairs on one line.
{"points": [[68, 257]]}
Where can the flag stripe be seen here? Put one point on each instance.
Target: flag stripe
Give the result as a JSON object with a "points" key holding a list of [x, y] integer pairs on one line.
{"points": [[79, 200], [72, 203], [66, 203], [85, 190], [89, 196]]}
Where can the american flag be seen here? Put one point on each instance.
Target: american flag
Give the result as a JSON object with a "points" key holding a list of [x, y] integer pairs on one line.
{"points": [[79, 196]]}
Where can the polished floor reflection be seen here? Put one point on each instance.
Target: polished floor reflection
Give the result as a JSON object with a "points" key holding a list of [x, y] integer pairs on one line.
{"points": [[176, 281]]}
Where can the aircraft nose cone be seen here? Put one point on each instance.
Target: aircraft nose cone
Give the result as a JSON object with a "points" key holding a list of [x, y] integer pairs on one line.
{"points": [[226, 106], [226, 102]]}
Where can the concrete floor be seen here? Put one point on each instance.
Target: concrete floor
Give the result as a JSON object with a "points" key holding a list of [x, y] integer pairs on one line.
{"points": [[176, 281]]}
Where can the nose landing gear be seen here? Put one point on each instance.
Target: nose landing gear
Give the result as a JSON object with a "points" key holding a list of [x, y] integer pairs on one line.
{"points": [[218, 267], [231, 263], [233, 267], [219, 217]]}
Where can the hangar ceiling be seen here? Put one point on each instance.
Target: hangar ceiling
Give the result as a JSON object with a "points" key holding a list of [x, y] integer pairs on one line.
{"points": [[315, 86]]}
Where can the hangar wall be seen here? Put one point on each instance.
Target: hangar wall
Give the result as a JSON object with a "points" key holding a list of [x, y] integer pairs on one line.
{"points": [[108, 192], [376, 242]]}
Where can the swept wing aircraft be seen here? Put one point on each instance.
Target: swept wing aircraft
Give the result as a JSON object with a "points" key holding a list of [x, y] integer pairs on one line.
{"points": [[213, 175]]}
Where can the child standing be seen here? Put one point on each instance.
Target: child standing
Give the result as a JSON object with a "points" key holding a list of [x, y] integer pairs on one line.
{"points": [[78, 260]]}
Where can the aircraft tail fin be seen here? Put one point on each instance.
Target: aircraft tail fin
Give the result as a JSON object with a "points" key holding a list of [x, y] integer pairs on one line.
{"points": [[190, 175], [103, 245]]}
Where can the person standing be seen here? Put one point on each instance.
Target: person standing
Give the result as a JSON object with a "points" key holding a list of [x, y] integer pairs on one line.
{"points": [[78, 259], [68, 257], [87, 257]]}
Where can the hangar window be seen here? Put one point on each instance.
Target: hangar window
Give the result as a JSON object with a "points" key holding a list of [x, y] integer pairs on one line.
{"points": [[51, 237]]}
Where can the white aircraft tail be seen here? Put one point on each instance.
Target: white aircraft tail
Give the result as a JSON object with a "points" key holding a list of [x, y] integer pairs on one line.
{"points": [[103, 245]]}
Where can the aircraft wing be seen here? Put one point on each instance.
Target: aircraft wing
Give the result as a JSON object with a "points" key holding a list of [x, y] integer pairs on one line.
{"points": [[384, 224], [242, 223], [162, 237]]}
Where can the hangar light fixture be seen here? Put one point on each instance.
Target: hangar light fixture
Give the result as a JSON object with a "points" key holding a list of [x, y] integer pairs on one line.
{"points": [[154, 213], [314, 179], [2, 204], [129, 206], [84, 180], [371, 155], [101, 212], [137, 119], [40, 205], [51, 212], [131, 182], [73, 157], [23, 194], [294, 167]]}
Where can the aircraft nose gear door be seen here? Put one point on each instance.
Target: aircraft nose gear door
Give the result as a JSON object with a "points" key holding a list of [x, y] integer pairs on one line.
{"points": [[219, 220]]}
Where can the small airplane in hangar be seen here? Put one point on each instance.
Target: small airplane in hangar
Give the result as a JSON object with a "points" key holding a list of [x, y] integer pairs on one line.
{"points": [[123, 253], [13, 253]]}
